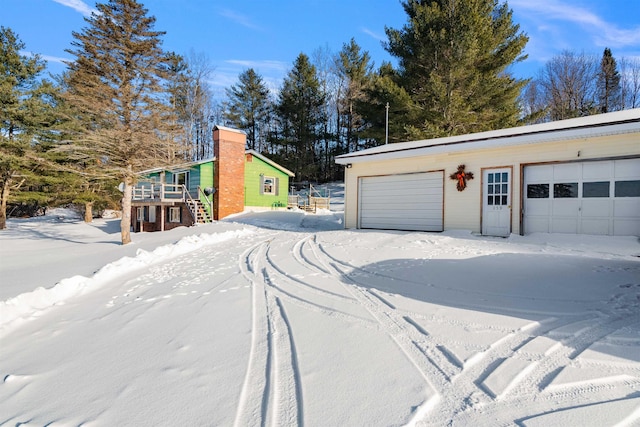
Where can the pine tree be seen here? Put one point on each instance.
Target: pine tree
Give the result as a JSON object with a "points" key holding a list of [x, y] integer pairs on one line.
{"points": [[115, 85], [301, 114], [608, 84], [28, 119], [354, 69], [247, 107], [380, 90], [453, 62]]}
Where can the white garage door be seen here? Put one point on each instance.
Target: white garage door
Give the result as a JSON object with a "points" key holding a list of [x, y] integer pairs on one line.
{"points": [[402, 202], [583, 198]]}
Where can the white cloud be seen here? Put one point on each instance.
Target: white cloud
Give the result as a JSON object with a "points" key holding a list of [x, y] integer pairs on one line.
{"points": [[78, 6], [260, 65], [373, 34], [55, 59], [603, 33], [238, 19]]}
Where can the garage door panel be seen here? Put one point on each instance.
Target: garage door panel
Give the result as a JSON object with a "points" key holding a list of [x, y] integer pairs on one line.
{"points": [[376, 193], [597, 208], [566, 171], [627, 169], [593, 171], [538, 173], [625, 227], [536, 225], [424, 215], [595, 226], [538, 207], [628, 207], [564, 225], [402, 202], [565, 207]]}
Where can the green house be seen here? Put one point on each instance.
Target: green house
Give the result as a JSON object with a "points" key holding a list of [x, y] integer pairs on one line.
{"points": [[206, 190]]}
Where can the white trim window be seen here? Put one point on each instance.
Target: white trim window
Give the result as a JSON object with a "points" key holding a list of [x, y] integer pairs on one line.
{"points": [[174, 214], [181, 178], [269, 185]]}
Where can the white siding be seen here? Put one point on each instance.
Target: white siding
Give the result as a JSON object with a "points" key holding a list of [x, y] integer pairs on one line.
{"points": [[462, 210]]}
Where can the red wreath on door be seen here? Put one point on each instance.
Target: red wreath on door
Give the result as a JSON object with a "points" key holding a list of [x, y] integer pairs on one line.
{"points": [[461, 177]]}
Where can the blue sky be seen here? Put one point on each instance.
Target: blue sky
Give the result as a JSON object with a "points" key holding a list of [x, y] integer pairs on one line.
{"points": [[268, 35]]}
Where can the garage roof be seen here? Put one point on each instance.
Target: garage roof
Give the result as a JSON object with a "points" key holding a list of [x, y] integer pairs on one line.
{"points": [[627, 121]]}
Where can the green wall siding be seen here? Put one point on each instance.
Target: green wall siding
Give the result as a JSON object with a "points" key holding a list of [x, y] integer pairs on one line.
{"points": [[252, 183], [206, 181]]}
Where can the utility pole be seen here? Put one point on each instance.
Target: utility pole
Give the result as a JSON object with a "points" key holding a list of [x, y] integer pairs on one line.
{"points": [[386, 127]]}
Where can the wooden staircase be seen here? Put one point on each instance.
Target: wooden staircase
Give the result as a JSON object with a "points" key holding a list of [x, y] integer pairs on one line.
{"points": [[198, 211]]}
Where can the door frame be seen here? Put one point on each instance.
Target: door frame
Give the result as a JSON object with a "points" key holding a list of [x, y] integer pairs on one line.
{"points": [[483, 214]]}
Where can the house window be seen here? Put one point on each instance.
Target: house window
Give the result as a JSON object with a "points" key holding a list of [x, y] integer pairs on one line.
{"points": [[268, 185], [140, 214], [174, 214], [181, 178]]}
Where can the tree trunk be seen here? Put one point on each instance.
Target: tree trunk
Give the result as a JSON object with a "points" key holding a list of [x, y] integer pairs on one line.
{"points": [[125, 222], [88, 212], [4, 196]]}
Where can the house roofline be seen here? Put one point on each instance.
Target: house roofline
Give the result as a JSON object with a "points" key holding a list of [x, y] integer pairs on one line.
{"points": [[213, 159], [271, 162], [610, 123], [217, 127]]}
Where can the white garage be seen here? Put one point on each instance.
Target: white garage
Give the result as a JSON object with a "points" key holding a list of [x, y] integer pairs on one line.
{"points": [[578, 176], [412, 201], [596, 197]]}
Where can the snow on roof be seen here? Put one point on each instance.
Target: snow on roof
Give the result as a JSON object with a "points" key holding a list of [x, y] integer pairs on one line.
{"points": [[217, 127], [188, 165], [627, 121], [271, 162], [176, 167]]}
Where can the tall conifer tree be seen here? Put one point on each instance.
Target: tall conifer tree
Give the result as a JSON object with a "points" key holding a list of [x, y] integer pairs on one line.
{"points": [[115, 83], [28, 118], [248, 106], [301, 114], [454, 57], [608, 84]]}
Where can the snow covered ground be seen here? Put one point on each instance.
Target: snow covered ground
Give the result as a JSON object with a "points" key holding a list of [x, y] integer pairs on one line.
{"points": [[284, 318]]}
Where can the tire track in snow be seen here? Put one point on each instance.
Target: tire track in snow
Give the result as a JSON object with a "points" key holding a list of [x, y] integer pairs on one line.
{"points": [[466, 399], [271, 393]]}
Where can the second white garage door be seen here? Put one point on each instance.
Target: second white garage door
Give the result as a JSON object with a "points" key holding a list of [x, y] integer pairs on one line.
{"points": [[411, 202], [600, 197]]}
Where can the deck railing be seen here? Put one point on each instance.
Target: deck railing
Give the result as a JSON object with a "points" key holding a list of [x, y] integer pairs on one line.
{"points": [[159, 192]]}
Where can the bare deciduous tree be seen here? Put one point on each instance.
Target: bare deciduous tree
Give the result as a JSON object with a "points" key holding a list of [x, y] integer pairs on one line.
{"points": [[630, 83], [568, 80]]}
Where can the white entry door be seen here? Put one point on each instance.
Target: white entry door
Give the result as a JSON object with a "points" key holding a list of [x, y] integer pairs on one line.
{"points": [[496, 202]]}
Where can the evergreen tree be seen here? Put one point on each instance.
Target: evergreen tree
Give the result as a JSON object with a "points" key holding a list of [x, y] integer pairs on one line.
{"points": [[115, 85], [301, 114], [247, 107], [454, 57], [381, 90], [28, 119], [608, 84], [354, 69]]}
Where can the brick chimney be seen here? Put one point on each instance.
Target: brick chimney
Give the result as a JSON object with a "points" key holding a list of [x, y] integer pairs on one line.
{"points": [[229, 149]]}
